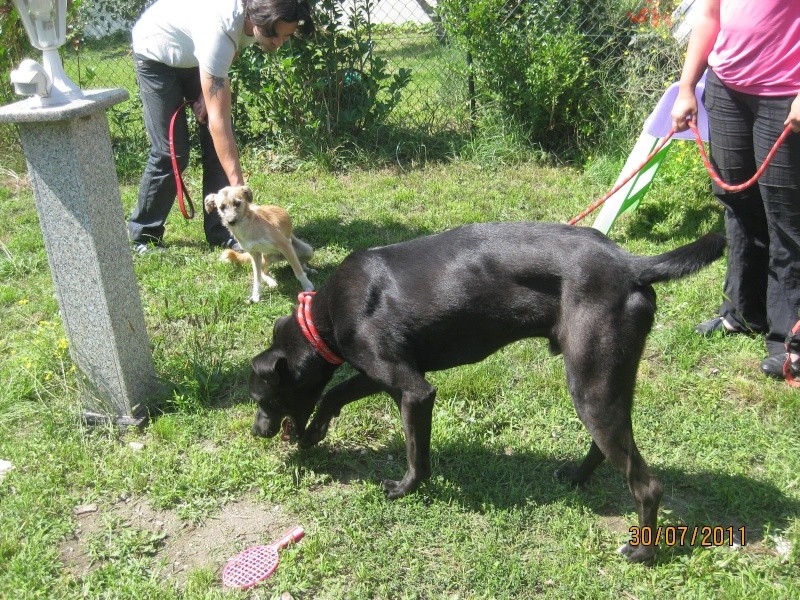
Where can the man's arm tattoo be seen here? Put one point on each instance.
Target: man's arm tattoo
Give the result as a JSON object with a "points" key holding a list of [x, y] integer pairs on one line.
{"points": [[217, 84]]}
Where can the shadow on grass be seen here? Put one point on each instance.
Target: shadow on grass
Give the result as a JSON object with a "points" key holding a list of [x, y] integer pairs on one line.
{"points": [[693, 221], [357, 234], [474, 478]]}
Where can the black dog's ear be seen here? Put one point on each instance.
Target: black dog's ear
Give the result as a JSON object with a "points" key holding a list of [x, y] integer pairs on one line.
{"points": [[271, 367]]}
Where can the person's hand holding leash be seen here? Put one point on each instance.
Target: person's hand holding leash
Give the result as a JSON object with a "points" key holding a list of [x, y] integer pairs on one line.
{"points": [[199, 109], [684, 109], [793, 120]]}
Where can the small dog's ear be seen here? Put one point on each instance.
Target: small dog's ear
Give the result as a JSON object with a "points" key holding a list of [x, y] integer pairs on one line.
{"points": [[247, 193], [210, 203], [269, 365]]}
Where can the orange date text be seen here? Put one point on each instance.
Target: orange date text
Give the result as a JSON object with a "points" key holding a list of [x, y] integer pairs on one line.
{"points": [[706, 536]]}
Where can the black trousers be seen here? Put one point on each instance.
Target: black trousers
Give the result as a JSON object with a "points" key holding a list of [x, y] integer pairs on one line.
{"points": [[163, 89], [762, 223]]}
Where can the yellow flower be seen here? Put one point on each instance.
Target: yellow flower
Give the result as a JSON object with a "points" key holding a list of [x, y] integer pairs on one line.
{"points": [[22, 302], [62, 344]]}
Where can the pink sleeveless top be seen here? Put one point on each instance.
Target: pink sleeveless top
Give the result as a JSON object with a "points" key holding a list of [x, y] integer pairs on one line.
{"points": [[758, 47]]}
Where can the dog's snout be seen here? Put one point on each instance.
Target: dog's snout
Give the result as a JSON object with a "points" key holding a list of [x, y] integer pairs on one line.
{"points": [[264, 426]]}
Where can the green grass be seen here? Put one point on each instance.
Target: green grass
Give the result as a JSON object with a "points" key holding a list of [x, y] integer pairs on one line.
{"points": [[491, 523]]}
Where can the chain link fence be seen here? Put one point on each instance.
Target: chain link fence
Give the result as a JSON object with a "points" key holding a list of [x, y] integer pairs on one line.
{"points": [[443, 92]]}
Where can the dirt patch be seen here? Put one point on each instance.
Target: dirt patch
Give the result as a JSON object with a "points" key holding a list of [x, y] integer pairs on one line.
{"points": [[185, 546]]}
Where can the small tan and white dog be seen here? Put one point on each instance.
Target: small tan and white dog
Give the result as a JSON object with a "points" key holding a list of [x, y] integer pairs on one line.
{"points": [[264, 232]]}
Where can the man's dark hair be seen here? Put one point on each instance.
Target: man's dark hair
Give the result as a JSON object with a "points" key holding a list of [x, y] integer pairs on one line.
{"points": [[265, 13]]}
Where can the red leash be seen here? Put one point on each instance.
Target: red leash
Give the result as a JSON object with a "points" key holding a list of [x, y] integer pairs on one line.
{"points": [[711, 172], [182, 190], [303, 318], [597, 203], [742, 186]]}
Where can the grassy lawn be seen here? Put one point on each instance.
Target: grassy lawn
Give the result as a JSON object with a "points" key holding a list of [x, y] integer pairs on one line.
{"points": [[155, 513]]}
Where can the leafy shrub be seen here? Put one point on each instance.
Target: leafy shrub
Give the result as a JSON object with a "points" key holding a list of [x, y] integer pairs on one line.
{"points": [[648, 64], [322, 91], [562, 72], [534, 67]]}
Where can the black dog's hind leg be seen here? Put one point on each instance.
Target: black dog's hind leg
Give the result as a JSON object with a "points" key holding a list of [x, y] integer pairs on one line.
{"points": [[602, 393], [357, 387]]}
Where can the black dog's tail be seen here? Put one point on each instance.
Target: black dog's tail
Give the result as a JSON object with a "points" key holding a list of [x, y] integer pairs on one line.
{"points": [[680, 262]]}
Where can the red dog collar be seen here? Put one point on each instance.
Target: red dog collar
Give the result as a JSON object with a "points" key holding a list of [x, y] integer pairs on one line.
{"points": [[303, 318]]}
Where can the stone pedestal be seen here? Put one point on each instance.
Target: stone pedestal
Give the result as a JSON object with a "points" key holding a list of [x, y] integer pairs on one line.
{"points": [[71, 168]]}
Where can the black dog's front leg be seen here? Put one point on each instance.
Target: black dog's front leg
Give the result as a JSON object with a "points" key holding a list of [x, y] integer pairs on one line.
{"points": [[357, 387], [416, 409]]}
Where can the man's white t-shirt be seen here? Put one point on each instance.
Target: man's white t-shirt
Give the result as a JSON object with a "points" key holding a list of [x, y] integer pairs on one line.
{"points": [[192, 33]]}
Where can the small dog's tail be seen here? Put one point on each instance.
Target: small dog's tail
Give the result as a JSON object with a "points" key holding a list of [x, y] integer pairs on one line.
{"points": [[303, 250], [232, 256], [680, 262]]}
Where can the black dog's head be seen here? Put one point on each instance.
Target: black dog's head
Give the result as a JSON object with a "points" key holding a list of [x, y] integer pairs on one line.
{"points": [[287, 382]]}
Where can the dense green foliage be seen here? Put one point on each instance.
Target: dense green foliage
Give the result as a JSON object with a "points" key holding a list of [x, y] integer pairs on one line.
{"points": [[562, 73], [320, 91]]}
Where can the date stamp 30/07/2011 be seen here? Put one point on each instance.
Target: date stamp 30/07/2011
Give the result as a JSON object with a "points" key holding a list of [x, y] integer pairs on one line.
{"points": [[706, 536]]}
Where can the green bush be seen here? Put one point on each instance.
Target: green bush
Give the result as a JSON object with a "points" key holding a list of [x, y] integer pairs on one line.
{"points": [[319, 92], [566, 73], [535, 67]]}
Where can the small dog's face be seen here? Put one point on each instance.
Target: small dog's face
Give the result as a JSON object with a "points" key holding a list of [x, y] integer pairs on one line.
{"points": [[231, 202], [286, 395]]}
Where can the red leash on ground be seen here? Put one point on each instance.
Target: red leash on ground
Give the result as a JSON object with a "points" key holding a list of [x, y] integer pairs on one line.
{"points": [[182, 190]]}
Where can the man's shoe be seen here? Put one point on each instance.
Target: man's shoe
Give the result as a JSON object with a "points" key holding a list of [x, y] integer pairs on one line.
{"points": [[772, 366], [712, 326]]}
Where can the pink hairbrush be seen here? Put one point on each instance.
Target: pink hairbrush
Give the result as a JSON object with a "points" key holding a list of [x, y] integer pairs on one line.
{"points": [[255, 564]]}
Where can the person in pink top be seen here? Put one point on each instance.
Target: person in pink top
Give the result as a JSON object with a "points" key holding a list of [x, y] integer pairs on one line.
{"points": [[752, 51]]}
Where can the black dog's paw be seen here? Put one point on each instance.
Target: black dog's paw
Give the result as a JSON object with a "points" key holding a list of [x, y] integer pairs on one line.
{"points": [[570, 475], [638, 554], [314, 434], [394, 489]]}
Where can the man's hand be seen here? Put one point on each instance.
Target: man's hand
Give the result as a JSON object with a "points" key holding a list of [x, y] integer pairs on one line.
{"points": [[199, 109]]}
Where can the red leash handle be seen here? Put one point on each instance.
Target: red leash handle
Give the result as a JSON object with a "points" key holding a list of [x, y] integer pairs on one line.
{"points": [[596, 204], [182, 190], [741, 186]]}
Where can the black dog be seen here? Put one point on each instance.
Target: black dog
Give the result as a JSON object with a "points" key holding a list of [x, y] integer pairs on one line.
{"points": [[436, 302]]}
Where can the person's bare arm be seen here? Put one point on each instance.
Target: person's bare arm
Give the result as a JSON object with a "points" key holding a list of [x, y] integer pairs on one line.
{"points": [[701, 42], [217, 99]]}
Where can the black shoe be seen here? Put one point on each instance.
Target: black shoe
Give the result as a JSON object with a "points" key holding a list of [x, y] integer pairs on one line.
{"points": [[772, 366], [712, 326]]}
